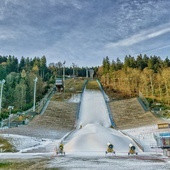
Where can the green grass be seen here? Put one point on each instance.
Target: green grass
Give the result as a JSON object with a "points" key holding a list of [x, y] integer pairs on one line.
{"points": [[72, 86], [5, 164], [11, 164], [22, 164], [93, 85], [6, 146]]}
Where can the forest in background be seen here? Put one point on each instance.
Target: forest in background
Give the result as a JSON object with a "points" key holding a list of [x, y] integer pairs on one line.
{"points": [[18, 89], [148, 75]]}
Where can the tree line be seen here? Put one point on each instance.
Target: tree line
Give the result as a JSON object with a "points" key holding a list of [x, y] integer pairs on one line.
{"points": [[19, 75], [148, 75]]}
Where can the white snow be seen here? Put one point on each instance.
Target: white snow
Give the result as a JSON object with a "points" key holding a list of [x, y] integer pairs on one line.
{"points": [[25, 143], [93, 109], [94, 137], [145, 136], [85, 147], [95, 131], [75, 98]]}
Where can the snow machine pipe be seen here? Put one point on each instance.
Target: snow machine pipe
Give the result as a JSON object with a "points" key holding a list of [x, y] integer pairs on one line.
{"points": [[107, 105], [79, 104]]}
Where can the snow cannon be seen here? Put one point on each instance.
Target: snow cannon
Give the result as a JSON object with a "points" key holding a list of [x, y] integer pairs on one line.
{"points": [[132, 149], [110, 148], [60, 149]]}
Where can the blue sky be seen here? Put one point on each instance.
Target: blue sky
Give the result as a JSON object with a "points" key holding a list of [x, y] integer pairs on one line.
{"points": [[84, 31]]}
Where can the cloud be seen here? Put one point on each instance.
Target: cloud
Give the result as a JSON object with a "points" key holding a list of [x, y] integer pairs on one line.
{"points": [[7, 34], [157, 49], [158, 33], [79, 31], [144, 35], [74, 3]]}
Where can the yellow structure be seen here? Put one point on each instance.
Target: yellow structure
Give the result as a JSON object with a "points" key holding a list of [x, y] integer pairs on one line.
{"points": [[132, 149], [163, 125], [60, 149], [110, 148]]}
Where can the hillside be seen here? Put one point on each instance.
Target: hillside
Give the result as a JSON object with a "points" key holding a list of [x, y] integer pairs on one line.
{"points": [[58, 115], [128, 113]]}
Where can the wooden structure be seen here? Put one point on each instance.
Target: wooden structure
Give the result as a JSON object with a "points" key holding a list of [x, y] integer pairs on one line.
{"points": [[163, 125]]}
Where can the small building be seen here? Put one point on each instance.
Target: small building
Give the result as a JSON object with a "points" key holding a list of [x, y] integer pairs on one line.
{"points": [[59, 84], [163, 142], [91, 73]]}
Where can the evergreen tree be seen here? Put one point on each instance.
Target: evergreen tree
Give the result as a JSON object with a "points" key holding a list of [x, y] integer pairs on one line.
{"points": [[3, 59], [140, 63], [113, 66], [43, 67], [119, 64], [166, 62], [126, 62], [22, 63]]}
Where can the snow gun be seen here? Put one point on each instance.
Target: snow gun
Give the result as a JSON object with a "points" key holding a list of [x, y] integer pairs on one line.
{"points": [[110, 148], [132, 149], [60, 149]]}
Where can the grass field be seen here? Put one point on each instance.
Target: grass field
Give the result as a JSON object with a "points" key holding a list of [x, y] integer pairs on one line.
{"points": [[5, 146], [93, 85]]}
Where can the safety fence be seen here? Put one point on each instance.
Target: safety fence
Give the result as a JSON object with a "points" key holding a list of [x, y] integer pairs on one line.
{"points": [[144, 103], [23, 118]]}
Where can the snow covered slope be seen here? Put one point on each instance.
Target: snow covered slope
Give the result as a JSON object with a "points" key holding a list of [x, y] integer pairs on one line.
{"points": [[93, 109], [93, 129], [94, 137]]}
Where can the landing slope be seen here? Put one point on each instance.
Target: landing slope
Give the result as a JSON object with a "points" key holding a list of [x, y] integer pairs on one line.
{"points": [[95, 132], [93, 109], [129, 113], [58, 119]]}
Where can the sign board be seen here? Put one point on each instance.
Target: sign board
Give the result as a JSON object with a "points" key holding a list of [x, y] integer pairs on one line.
{"points": [[163, 125]]}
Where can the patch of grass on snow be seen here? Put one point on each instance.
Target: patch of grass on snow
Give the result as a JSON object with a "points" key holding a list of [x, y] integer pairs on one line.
{"points": [[93, 85], [5, 146], [4, 164]]}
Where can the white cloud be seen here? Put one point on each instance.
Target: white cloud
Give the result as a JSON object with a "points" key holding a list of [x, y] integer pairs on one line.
{"points": [[74, 3], [6, 34], [157, 49], [1, 13], [158, 33], [77, 5], [76, 30], [7, 2], [144, 35]]}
